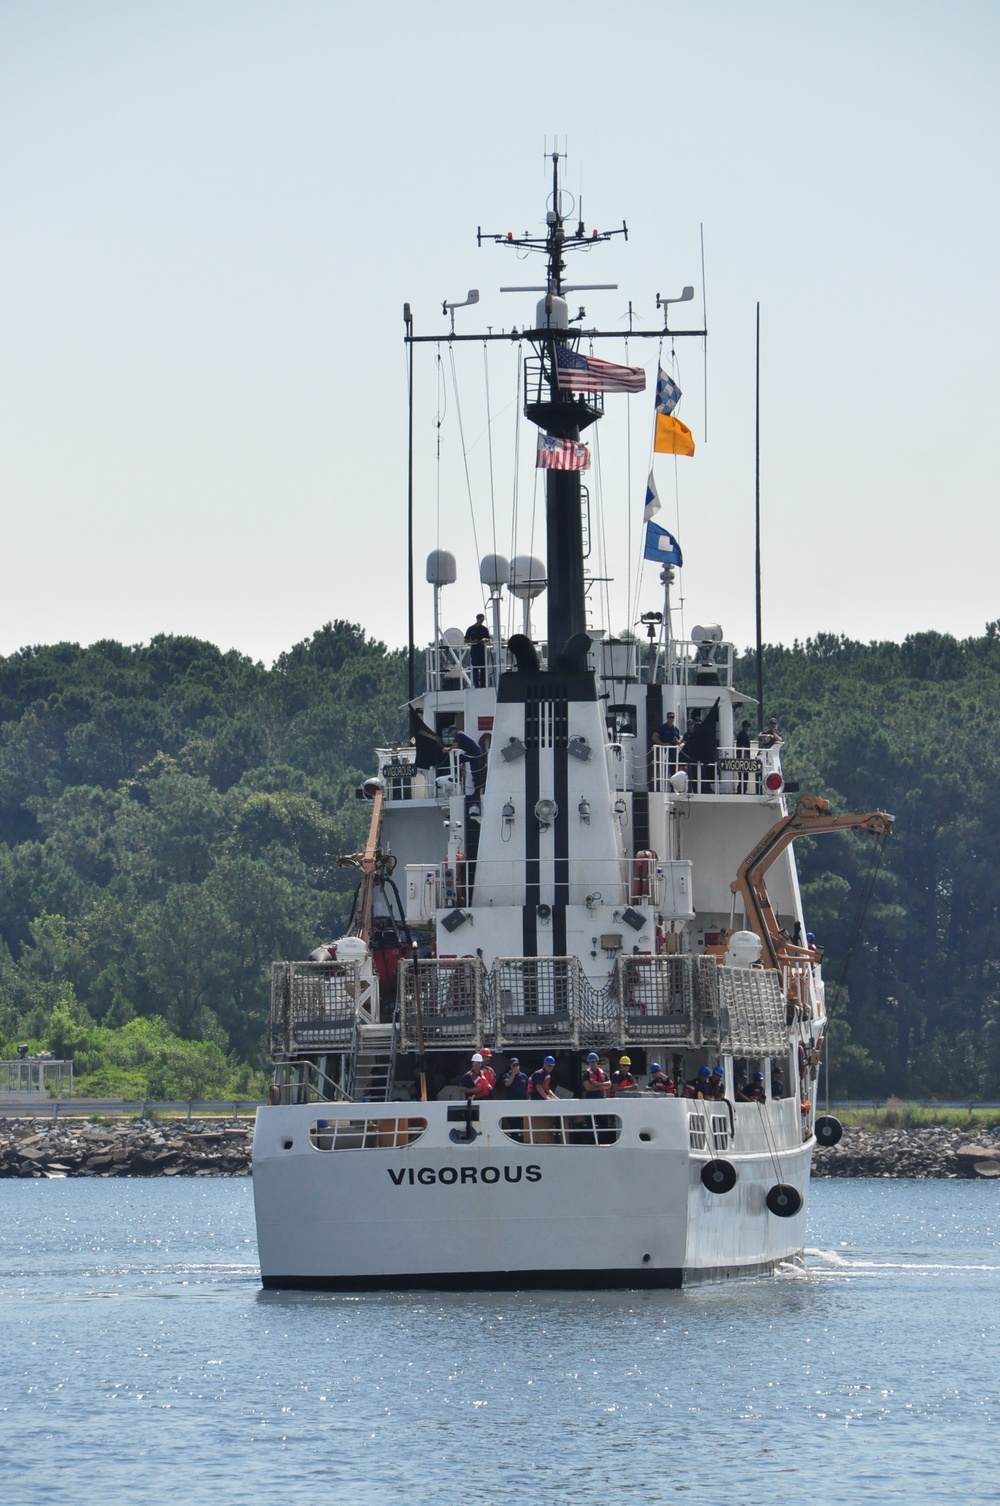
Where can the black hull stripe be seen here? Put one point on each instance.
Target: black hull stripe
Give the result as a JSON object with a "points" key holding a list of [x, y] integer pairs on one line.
{"points": [[645, 1279]]}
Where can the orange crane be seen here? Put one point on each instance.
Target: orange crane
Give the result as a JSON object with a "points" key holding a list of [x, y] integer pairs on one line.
{"points": [[810, 817], [371, 864]]}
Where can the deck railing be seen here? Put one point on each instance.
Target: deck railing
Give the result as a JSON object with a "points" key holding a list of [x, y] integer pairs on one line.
{"points": [[454, 1003]]}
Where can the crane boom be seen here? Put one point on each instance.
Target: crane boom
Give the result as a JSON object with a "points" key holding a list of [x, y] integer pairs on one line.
{"points": [[811, 816], [370, 865]]}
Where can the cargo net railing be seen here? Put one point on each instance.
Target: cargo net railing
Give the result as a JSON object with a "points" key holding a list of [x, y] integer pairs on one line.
{"points": [[449, 996], [752, 1012], [658, 996], [538, 1000], [315, 1005]]}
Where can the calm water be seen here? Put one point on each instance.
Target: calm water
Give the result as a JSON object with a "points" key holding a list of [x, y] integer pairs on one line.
{"points": [[141, 1363]]}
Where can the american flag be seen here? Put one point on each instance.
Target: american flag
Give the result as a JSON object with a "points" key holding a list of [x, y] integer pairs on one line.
{"points": [[578, 373], [561, 455]]}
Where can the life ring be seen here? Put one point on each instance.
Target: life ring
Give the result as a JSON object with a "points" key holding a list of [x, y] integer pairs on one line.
{"points": [[718, 1176], [784, 1200], [828, 1129]]}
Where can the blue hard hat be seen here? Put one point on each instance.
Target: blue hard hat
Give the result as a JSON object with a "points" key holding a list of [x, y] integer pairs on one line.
{"points": [[656, 1067], [810, 935], [704, 1072], [758, 1077], [718, 1071], [593, 1057], [549, 1061]]}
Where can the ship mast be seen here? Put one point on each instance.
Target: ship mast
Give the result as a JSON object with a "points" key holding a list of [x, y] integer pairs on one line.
{"points": [[561, 414]]}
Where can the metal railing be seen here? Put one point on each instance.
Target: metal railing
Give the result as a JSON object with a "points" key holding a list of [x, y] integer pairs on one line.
{"points": [[444, 1000], [452, 1003], [43, 1075], [315, 1005], [501, 882], [732, 772]]}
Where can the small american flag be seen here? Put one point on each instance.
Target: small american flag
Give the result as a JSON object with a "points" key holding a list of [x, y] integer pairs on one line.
{"points": [[578, 373], [561, 455]]}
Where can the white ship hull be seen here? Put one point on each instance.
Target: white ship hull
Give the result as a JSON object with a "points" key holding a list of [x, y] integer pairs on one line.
{"points": [[494, 1214]]}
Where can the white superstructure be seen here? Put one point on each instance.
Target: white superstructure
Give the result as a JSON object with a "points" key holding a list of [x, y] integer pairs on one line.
{"points": [[563, 884]]}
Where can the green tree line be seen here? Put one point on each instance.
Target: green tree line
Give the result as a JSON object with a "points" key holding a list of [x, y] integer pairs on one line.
{"points": [[170, 820], [912, 728], [171, 815]]}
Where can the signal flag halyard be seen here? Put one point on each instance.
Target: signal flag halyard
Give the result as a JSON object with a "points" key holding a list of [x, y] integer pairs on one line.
{"points": [[661, 546], [561, 454], [577, 373]]}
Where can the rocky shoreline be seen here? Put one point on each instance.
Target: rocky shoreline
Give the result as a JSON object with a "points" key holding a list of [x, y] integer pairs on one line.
{"points": [[137, 1148], [214, 1148], [930, 1152]]}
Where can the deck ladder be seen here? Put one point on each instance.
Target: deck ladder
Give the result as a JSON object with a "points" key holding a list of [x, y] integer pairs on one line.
{"points": [[373, 1064]]}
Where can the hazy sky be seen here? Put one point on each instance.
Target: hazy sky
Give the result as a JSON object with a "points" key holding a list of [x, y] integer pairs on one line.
{"points": [[213, 211]]}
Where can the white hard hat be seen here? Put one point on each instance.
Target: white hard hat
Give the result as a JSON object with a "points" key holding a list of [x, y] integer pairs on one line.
{"points": [[477, 1057]]}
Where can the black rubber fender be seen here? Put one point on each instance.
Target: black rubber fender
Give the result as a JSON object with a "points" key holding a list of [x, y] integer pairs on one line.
{"points": [[783, 1200], [718, 1176], [828, 1129]]}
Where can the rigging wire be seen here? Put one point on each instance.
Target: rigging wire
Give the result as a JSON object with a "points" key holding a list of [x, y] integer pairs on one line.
{"points": [[517, 485], [442, 412], [630, 532], [465, 453], [489, 444]]}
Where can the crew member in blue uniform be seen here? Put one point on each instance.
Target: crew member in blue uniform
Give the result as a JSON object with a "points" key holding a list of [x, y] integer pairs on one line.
{"points": [[659, 1082], [595, 1081], [477, 637], [472, 754], [540, 1084], [515, 1082]]}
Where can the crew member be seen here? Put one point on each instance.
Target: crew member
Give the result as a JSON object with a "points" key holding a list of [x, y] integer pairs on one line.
{"points": [[477, 636], [669, 736], [488, 1071], [540, 1082], [659, 1082], [755, 1089], [595, 1081], [698, 1086], [743, 752], [470, 1079], [515, 1082], [622, 1080], [471, 754]]}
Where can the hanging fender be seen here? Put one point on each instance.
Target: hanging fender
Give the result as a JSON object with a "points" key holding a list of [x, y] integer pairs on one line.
{"points": [[783, 1200], [718, 1176]]}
